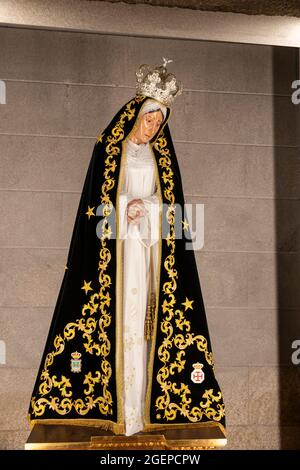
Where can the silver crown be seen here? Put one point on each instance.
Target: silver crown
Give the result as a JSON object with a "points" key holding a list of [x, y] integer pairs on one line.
{"points": [[157, 83]]}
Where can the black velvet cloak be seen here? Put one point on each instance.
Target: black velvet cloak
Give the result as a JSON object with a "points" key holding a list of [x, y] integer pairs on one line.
{"points": [[80, 379]]}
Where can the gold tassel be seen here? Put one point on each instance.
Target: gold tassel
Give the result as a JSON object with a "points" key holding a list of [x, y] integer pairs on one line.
{"points": [[148, 323], [150, 313], [153, 309]]}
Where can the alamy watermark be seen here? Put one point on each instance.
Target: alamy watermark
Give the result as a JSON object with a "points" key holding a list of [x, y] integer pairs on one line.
{"points": [[296, 94], [295, 357], [2, 92], [2, 352], [177, 223], [296, 354]]}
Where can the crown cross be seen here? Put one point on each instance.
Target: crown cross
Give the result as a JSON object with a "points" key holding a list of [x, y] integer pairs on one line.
{"points": [[166, 61]]}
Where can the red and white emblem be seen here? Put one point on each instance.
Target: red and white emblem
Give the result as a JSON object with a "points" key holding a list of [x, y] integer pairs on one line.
{"points": [[197, 376]]}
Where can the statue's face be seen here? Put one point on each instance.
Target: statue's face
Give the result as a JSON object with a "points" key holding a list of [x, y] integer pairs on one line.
{"points": [[149, 125]]}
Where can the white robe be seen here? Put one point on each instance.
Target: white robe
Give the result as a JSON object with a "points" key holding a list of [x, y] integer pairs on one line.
{"points": [[139, 182]]}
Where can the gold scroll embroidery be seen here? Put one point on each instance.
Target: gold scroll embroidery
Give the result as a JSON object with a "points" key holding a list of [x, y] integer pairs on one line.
{"points": [[97, 302], [211, 404]]}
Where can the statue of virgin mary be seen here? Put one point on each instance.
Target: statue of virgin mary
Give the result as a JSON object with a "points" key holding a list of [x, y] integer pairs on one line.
{"points": [[128, 349]]}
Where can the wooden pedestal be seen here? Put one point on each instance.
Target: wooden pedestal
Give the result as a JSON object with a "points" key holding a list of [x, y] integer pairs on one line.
{"points": [[90, 438]]}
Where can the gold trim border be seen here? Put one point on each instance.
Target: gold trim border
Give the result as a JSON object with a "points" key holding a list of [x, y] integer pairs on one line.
{"points": [[136, 442], [165, 426], [119, 370], [153, 343], [107, 425]]}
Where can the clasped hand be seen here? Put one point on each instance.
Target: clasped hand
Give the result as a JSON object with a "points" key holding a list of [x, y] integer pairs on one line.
{"points": [[135, 210]]}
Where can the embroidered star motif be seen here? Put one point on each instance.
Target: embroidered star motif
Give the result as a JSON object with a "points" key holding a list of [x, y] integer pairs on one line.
{"points": [[86, 286], [66, 267], [90, 212], [185, 224], [100, 138], [187, 304]]}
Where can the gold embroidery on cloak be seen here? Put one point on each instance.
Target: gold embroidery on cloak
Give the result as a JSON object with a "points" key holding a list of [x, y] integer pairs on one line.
{"points": [[64, 406], [166, 409]]}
